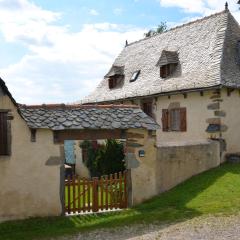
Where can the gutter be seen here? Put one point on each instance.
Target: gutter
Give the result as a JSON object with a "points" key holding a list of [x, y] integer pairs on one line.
{"points": [[176, 92]]}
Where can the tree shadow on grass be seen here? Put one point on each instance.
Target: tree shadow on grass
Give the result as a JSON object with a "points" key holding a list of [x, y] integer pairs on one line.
{"points": [[202, 194]]}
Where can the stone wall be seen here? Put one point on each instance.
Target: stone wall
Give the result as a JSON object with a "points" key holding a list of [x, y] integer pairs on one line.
{"points": [[176, 163]]}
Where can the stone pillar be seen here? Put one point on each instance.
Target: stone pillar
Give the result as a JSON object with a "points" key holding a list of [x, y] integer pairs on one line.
{"points": [[141, 160]]}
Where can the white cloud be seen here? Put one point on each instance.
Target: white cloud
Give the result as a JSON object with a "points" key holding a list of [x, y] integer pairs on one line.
{"points": [[93, 12], [60, 66], [203, 7]]}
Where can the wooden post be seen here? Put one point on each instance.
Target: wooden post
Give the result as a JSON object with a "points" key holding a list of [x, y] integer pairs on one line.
{"points": [[79, 194], [111, 191], [84, 195], [101, 189], [95, 195], [120, 191], [125, 188], [69, 196], [89, 195], [74, 194], [106, 191], [116, 190]]}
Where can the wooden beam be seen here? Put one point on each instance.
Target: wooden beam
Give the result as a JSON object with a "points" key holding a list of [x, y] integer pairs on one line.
{"points": [[87, 134]]}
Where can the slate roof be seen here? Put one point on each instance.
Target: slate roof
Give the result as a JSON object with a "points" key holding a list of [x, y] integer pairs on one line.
{"points": [[60, 117], [207, 58]]}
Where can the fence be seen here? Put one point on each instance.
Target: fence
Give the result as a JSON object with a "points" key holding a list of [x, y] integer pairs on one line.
{"points": [[105, 193]]}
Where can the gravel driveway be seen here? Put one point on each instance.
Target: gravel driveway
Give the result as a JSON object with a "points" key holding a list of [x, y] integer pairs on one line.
{"points": [[201, 228]]}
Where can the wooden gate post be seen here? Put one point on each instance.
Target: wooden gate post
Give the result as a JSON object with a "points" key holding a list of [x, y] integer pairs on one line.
{"points": [[95, 195]]}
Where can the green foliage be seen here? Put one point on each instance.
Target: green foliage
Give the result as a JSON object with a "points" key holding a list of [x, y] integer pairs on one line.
{"points": [[110, 158], [106, 159], [214, 192], [160, 29]]}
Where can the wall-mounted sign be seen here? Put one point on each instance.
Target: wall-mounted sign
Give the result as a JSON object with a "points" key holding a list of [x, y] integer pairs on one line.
{"points": [[141, 153]]}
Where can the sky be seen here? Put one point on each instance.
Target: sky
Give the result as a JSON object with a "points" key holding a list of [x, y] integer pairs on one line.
{"points": [[57, 51]]}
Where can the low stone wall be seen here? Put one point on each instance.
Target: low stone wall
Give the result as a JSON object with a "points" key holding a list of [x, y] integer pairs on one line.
{"points": [[176, 163]]}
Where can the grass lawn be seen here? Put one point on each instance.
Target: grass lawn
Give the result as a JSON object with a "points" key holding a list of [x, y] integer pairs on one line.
{"points": [[214, 192]]}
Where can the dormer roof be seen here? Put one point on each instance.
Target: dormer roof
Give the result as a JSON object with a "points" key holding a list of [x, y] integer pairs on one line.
{"points": [[168, 57], [115, 71]]}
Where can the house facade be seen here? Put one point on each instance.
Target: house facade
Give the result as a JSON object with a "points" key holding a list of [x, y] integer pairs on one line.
{"points": [[187, 79]]}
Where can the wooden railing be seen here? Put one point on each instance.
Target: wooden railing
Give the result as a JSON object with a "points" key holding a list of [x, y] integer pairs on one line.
{"points": [[107, 192]]}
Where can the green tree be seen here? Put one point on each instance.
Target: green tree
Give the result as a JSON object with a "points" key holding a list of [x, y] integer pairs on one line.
{"points": [[162, 27], [105, 159], [110, 158]]}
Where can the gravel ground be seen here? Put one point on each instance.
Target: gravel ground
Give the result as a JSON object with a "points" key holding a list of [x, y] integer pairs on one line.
{"points": [[201, 228]]}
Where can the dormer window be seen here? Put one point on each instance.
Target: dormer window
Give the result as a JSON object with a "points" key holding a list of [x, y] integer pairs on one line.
{"points": [[165, 71], [167, 63], [115, 77], [135, 76], [112, 83]]}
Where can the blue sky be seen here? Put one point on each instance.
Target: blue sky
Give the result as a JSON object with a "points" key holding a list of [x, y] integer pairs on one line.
{"points": [[59, 50]]}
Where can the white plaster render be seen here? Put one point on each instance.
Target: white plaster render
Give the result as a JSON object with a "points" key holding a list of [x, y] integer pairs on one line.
{"points": [[29, 188]]}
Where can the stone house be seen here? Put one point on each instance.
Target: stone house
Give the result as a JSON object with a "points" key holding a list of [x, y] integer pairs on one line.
{"points": [[187, 79], [32, 151]]}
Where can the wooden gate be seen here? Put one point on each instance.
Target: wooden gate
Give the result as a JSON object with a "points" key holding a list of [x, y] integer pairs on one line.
{"points": [[105, 193]]}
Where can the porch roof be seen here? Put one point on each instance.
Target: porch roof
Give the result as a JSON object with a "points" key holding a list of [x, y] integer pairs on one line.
{"points": [[62, 117]]}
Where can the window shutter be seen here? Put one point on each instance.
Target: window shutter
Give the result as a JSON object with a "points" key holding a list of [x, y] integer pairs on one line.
{"points": [[165, 126], [183, 116], [110, 83], [162, 72], [3, 134]]}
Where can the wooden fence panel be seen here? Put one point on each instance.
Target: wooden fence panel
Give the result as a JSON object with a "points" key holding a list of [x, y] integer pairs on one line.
{"points": [[104, 193]]}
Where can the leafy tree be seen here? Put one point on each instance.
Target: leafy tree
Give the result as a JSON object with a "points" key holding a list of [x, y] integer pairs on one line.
{"points": [[105, 159], [160, 29]]}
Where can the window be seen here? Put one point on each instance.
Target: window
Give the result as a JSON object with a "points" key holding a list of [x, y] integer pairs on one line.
{"points": [[147, 108], [165, 71], [112, 83], [135, 76], [174, 120], [4, 134], [115, 81], [33, 135]]}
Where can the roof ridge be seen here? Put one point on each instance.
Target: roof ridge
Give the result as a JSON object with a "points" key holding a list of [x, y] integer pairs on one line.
{"points": [[74, 106], [182, 25]]}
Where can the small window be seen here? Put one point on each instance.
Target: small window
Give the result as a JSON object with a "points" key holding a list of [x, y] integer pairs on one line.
{"points": [[174, 120], [4, 134], [115, 81], [147, 108], [135, 76], [33, 135], [112, 83], [165, 71]]}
